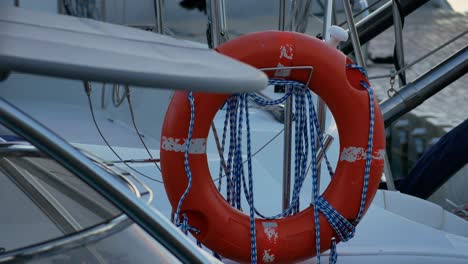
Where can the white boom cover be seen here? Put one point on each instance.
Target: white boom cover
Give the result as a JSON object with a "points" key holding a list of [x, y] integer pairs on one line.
{"points": [[78, 48]]}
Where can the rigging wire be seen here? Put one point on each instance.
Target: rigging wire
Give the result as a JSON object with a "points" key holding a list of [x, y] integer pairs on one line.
{"points": [[269, 141], [396, 62], [155, 6], [87, 87], [103, 96], [300, 12], [68, 8], [81, 8], [118, 99], [393, 74], [258, 150], [220, 153], [132, 114]]}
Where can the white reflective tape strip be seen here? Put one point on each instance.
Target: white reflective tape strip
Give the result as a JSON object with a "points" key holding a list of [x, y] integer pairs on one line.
{"points": [[267, 256], [285, 58], [271, 233], [197, 145], [286, 51], [352, 154]]}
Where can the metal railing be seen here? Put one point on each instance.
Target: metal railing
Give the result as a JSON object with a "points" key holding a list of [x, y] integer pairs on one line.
{"points": [[416, 92]]}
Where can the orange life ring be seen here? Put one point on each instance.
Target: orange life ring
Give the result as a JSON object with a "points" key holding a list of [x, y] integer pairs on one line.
{"points": [[223, 228]]}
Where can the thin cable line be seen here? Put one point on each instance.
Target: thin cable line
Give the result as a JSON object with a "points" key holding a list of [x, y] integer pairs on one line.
{"points": [[88, 93], [420, 58], [258, 150], [132, 114]]}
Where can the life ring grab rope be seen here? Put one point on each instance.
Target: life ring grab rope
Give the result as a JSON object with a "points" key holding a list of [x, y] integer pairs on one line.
{"points": [[265, 102], [262, 101], [185, 227], [353, 156]]}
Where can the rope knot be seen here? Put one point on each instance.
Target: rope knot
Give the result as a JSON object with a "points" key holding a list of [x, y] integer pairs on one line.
{"points": [[343, 228], [184, 226]]}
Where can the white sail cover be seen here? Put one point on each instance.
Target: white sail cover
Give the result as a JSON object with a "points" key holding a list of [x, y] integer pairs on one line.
{"points": [[78, 48]]}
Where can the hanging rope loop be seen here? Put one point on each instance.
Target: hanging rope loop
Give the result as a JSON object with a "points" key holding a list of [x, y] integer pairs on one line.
{"points": [[185, 227], [184, 224], [343, 228]]}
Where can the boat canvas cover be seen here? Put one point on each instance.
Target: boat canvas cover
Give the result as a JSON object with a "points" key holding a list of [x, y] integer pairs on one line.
{"points": [[79, 48]]}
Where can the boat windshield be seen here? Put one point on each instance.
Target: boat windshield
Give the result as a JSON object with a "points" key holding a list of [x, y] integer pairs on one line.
{"points": [[49, 215], [41, 200]]}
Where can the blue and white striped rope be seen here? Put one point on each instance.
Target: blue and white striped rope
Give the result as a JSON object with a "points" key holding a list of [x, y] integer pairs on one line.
{"points": [[253, 236], [298, 145], [315, 192], [239, 170], [343, 228], [223, 142], [301, 161], [185, 227], [357, 67], [232, 109], [237, 105], [370, 141], [262, 101], [184, 224], [320, 140], [333, 253]]}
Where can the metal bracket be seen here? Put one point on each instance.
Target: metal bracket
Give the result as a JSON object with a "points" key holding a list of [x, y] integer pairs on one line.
{"points": [[309, 68]]}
